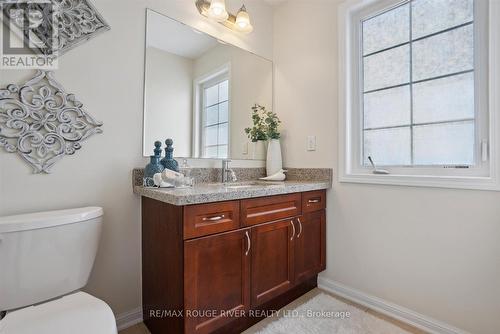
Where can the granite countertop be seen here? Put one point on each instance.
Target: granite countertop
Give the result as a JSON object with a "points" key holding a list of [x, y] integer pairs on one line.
{"points": [[216, 192]]}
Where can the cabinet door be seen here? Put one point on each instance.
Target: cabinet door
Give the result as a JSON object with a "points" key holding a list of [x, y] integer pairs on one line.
{"points": [[272, 260], [217, 280], [310, 245]]}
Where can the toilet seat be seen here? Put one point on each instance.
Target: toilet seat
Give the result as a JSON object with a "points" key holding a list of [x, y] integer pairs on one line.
{"points": [[77, 313]]}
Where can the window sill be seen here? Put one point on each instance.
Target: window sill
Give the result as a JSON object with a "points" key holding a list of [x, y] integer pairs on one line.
{"points": [[453, 182]]}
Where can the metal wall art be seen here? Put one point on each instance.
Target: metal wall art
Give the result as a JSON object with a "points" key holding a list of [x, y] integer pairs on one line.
{"points": [[43, 123], [58, 25]]}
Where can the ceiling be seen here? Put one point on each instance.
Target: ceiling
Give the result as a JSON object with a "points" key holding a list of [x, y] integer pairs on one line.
{"points": [[171, 36]]}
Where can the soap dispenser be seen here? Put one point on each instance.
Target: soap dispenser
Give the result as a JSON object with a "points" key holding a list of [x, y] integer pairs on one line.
{"points": [[169, 162]]}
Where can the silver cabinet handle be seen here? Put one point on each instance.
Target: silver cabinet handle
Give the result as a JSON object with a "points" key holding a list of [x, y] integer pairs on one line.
{"points": [[213, 219], [249, 244], [293, 229], [313, 200], [300, 228]]}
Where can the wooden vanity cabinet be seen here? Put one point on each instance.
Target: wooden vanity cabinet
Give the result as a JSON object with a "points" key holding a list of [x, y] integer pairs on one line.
{"points": [[206, 267], [310, 245], [216, 277], [272, 208], [272, 260]]}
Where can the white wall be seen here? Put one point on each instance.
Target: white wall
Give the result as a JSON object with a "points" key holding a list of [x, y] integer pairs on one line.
{"points": [[251, 82], [168, 100], [435, 251], [106, 73]]}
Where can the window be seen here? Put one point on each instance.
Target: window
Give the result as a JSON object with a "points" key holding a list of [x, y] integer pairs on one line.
{"points": [[416, 91], [211, 113], [215, 127], [418, 85]]}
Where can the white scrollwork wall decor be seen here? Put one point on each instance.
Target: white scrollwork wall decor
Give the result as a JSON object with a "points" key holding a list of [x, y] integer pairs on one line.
{"points": [[62, 25], [43, 123]]}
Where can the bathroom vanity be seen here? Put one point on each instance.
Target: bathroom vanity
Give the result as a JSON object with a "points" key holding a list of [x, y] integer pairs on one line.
{"points": [[215, 258]]}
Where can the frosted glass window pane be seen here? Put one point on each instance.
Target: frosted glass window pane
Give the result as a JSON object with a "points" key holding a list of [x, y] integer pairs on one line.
{"points": [[447, 99], [223, 134], [386, 30], [389, 107], [223, 113], [211, 95], [222, 151], [211, 135], [224, 91], [388, 68], [212, 115], [211, 152], [430, 16], [444, 144], [443, 54], [389, 147]]}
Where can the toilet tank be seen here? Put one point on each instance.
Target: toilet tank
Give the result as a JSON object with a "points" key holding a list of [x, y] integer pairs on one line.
{"points": [[45, 255]]}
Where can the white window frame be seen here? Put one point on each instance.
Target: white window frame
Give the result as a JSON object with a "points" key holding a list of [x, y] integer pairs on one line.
{"points": [[485, 175], [218, 75]]}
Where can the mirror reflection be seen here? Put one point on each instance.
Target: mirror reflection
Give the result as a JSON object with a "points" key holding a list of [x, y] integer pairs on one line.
{"points": [[199, 91]]}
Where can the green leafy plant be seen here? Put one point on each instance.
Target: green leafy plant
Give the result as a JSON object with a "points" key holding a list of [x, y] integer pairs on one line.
{"points": [[265, 124]]}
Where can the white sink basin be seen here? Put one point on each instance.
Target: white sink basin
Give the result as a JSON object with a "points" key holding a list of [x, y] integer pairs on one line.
{"points": [[251, 184], [239, 186]]}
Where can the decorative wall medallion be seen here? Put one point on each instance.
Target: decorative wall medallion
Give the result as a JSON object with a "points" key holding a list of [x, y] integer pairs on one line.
{"points": [[63, 24], [43, 123]]}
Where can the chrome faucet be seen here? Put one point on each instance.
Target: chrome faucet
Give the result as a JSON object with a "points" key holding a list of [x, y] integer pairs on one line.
{"points": [[228, 172]]}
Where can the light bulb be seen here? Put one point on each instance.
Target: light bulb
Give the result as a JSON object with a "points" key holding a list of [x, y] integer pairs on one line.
{"points": [[242, 23], [217, 10]]}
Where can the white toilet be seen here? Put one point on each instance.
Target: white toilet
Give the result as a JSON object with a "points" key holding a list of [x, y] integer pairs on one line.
{"points": [[45, 258]]}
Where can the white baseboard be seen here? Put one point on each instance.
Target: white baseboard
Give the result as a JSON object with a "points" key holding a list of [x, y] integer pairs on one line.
{"points": [[128, 319], [400, 313]]}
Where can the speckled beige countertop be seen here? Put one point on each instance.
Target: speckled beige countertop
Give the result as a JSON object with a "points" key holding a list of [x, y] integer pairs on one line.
{"points": [[216, 192], [208, 190]]}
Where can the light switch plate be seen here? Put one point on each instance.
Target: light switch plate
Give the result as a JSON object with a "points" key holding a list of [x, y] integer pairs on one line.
{"points": [[311, 143]]}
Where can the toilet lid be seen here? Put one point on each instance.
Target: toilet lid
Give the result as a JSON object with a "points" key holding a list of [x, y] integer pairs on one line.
{"points": [[78, 313]]}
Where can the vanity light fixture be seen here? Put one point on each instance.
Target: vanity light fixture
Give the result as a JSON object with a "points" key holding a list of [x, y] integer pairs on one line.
{"points": [[243, 21], [216, 9]]}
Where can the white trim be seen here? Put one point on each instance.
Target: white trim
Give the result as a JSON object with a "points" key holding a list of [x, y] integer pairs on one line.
{"points": [[392, 310], [348, 172], [223, 71], [129, 319]]}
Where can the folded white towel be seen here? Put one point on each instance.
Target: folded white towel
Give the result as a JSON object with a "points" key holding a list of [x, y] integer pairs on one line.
{"points": [[279, 176], [170, 176], [158, 181]]}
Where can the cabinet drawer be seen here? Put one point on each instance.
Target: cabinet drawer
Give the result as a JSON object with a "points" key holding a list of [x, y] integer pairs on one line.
{"points": [[313, 201], [211, 218], [267, 209]]}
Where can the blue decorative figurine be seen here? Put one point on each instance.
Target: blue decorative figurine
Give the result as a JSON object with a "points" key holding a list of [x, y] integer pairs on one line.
{"points": [[169, 162], [154, 165]]}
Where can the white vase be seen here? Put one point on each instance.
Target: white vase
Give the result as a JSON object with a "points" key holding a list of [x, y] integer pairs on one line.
{"points": [[274, 162], [259, 150]]}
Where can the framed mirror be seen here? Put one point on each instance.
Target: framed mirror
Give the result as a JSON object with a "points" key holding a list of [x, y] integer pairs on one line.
{"points": [[199, 91]]}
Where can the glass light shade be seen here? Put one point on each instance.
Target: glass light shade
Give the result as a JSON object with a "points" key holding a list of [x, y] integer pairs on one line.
{"points": [[243, 21], [217, 10]]}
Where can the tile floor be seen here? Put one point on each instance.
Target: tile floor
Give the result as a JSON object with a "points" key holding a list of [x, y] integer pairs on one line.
{"points": [[141, 329]]}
